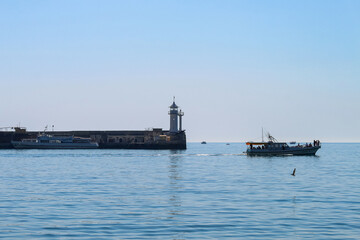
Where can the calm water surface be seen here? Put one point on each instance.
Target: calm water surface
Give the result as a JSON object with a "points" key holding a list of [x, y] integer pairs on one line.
{"points": [[209, 191]]}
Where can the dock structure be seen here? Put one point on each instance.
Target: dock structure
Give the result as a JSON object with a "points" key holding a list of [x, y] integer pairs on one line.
{"points": [[155, 138]]}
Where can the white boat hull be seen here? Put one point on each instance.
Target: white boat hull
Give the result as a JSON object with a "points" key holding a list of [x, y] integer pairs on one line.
{"points": [[37, 145], [286, 151]]}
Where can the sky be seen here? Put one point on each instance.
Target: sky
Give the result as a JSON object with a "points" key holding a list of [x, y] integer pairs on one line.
{"points": [[235, 67]]}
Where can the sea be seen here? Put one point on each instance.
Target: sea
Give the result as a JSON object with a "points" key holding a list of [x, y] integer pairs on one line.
{"points": [[208, 191]]}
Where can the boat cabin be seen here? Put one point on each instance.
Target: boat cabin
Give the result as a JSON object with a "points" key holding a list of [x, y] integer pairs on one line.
{"points": [[267, 145]]}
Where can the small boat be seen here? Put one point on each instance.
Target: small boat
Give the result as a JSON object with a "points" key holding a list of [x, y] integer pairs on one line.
{"points": [[273, 147], [46, 141], [203, 142]]}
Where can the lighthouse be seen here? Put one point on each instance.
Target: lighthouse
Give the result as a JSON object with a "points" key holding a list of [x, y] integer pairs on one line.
{"points": [[174, 115]]}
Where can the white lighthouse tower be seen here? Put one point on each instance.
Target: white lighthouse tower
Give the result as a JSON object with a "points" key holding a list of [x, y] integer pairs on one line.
{"points": [[174, 115]]}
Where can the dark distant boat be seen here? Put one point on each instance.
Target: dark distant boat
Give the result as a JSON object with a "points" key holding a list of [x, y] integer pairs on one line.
{"points": [[203, 142], [273, 147], [46, 141]]}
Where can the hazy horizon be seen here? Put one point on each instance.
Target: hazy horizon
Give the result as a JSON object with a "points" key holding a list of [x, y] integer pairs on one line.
{"points": [[291, 67]]}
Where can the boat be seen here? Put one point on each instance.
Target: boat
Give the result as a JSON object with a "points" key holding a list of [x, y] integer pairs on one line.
{"points": [[203, 142], [273, 148], [47, 141]]}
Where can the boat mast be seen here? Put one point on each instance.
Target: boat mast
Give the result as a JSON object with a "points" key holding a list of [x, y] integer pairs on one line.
{"points": [[262, 134]]}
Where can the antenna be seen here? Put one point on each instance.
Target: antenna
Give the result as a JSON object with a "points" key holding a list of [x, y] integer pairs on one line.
{"points": [[271, 138], [173, 98]]}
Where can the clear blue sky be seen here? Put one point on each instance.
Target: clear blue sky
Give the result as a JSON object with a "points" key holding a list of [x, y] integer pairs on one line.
{"points": [[292, 67]]}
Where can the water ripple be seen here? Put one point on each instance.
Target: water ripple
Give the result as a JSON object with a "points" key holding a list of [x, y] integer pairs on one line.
{"points": [[210, 191]]}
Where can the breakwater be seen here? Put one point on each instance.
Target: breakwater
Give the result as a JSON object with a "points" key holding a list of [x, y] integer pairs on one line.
{"points": [[156, 138]]}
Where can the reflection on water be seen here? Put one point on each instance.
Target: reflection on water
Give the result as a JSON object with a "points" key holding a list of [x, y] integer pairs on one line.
{"points": [[175, 161], [175, 187]]}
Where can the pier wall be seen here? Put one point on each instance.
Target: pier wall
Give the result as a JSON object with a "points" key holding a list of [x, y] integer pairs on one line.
{"points": [[148, 139]]}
